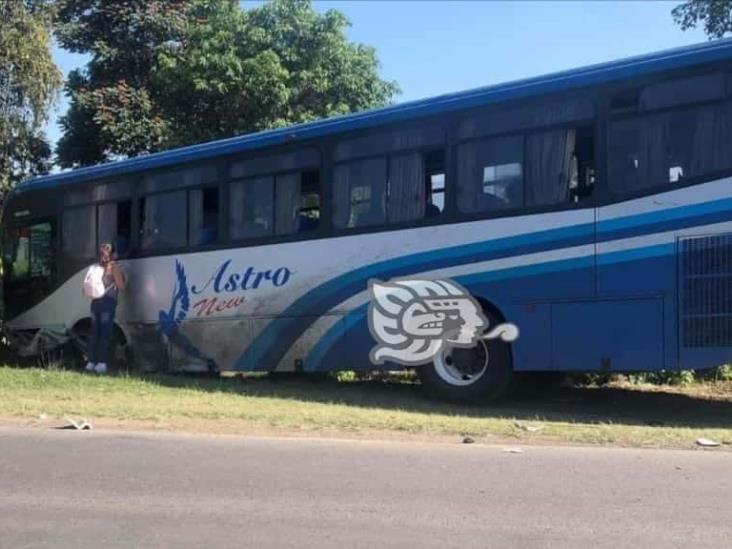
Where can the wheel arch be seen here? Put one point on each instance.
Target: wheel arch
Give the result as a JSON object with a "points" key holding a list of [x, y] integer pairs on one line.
{"points": [[495, 311], [490, 307], [84, 325]]}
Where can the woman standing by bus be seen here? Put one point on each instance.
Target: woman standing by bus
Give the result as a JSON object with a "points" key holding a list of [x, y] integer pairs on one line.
{"points": [[103, 309]]}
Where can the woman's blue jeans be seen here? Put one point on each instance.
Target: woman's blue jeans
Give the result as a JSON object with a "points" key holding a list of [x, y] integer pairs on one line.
{"points": [[102, 327]]}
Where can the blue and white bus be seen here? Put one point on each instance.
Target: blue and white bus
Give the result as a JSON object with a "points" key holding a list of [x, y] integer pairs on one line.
{"points": [[591, 208]]}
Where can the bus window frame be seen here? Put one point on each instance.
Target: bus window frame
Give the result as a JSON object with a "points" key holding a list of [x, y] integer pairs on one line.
{"points": [[600, 95], [605, 95], [666, 187], [447, 121], [225, 240], [524, 210], [64, 209], [136, 250], [274, 238], [96, 205], [394, 225], [169, 250]]}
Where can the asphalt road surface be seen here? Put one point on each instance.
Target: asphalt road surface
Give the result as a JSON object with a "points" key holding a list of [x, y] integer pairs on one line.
{"points": [[92, 489]]}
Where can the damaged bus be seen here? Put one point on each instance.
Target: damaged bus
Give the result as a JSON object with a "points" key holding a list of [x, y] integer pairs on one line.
{"points": [[587, 212]]}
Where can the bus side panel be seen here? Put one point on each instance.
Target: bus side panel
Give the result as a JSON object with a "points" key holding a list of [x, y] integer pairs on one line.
{"points": [[673, 245], [637, 277], [348, 346], [314, 329], [622, 335], [532, 351]]}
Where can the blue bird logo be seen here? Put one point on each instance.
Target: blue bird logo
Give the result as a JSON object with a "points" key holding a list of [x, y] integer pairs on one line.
{"points": [[179, 304]]}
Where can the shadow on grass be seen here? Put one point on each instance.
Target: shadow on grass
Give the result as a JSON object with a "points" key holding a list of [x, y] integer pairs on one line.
{"points": [[580, 404]]}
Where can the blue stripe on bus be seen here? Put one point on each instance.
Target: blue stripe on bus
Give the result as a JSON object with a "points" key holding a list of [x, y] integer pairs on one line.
{"points": [[316, 355], [352, 318], [268, 347], [666, 219]]}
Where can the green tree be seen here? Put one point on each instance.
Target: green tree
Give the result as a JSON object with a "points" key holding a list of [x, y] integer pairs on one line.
{"points": [[29, 83], [282, 63], [196, 70], [113, 110], [714, 15]]}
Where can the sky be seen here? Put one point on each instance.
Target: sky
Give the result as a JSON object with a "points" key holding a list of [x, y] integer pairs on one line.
{"points": [[435, 47]]}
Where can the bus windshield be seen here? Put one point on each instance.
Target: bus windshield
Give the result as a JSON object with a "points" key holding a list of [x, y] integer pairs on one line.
{"points": [[28, 252]]}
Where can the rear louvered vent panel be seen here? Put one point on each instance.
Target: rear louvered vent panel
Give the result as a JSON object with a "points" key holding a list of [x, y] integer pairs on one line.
{"points": [[706, 291]]}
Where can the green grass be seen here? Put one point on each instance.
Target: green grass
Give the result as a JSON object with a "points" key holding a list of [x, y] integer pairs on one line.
{"points": [[619, 415]]}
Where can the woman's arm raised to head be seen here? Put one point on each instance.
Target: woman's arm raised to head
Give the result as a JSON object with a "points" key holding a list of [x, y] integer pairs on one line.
{"points": [[120, 280]]}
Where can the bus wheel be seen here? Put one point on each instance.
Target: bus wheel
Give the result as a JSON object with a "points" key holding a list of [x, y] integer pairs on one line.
{"points": [[481, 373]]}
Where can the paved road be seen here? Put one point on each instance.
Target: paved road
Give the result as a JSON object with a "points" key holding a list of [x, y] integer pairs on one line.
{"points": [[94, 489]]}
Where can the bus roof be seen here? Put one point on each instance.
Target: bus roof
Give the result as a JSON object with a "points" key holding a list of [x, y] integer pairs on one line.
{"points": [[696, 54]]}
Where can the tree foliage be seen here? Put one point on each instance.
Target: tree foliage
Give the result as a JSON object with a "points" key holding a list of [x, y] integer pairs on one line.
{"points": [[29, 82], [196, 70], [282, 63], [714, 15], [112, 108]]}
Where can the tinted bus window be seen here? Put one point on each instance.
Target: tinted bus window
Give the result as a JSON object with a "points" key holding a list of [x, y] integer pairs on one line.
{"points": [[407, 190], [491, 175], [665, 149], [546, 168], [98, 192], [252, 207], [79, 232], [418, 137], [559, 166], [696, 89], [297, 202], [161, 223], [399, 188], [200, 175], [291, 161], [114, 224], [359, 193], [203, 217], [525, 117]]}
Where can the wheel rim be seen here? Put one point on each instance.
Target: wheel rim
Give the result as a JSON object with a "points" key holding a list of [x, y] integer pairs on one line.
{"points": [[461, 367]]}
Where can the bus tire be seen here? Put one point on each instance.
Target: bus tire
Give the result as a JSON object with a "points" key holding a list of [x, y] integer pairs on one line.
{"points": [[480, 374]]}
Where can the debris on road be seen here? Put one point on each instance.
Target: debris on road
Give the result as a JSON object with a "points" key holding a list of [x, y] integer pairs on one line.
{"points": [[468, 440], [512, 451], [707, 442], [82, 425]]}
